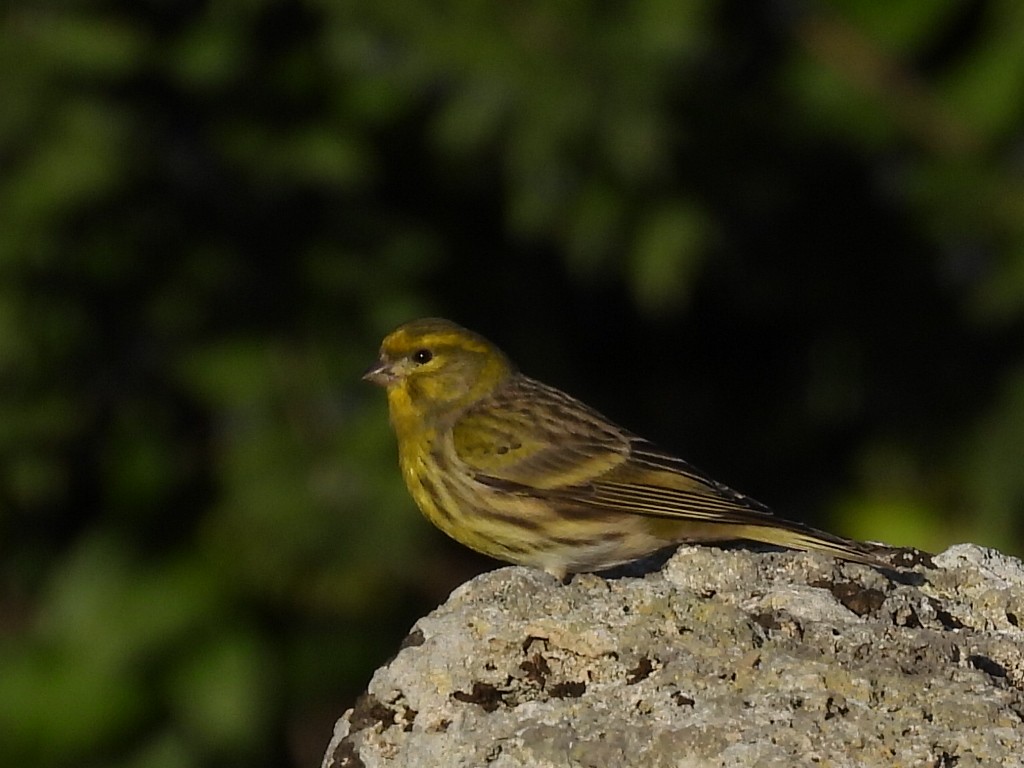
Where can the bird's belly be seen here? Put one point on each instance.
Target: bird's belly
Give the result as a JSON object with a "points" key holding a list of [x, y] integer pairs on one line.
{"points": [[525, 529]]}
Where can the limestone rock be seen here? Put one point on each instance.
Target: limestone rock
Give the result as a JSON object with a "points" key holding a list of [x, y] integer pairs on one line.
{"points": [[720, 658]]}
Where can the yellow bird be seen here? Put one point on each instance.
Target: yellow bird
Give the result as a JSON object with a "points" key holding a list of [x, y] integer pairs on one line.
{"points": [[524, 473]]}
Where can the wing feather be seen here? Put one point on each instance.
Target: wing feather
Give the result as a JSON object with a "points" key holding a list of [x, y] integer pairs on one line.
{"points": [[534, 440], [537, 438]]}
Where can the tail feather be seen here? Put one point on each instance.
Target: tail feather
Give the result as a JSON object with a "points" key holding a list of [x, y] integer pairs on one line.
{"points": [[817, 541]]}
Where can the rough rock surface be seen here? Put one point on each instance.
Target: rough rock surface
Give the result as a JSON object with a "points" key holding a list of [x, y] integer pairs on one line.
{"points": [[720, 658]]}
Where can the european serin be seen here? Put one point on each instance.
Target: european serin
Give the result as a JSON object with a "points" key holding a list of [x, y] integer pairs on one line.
{"points": [[523, 472]]}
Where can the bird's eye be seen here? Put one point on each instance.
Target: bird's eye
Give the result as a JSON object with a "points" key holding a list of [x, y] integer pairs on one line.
{"points": [[421, 356]]}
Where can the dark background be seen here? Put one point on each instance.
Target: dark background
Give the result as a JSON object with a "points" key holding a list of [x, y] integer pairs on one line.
{"points": [[784, 239]]}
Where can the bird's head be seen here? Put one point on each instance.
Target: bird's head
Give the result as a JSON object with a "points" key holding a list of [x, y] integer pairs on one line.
{"points": [[433, 367]]}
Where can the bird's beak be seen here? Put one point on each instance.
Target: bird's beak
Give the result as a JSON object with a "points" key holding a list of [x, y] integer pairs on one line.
{"points": [[380, 373]]}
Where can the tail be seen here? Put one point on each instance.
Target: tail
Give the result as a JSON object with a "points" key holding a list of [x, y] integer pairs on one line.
{"points": [[783, 533]]}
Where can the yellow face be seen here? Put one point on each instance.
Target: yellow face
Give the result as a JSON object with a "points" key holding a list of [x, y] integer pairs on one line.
{"points": [[432, 367]]}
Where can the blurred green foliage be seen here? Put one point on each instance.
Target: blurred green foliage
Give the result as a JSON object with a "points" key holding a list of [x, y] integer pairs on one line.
{"points": [[784, 239]]}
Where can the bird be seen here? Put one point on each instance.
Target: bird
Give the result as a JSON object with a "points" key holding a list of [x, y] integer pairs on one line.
{"points": [[524, 473]]}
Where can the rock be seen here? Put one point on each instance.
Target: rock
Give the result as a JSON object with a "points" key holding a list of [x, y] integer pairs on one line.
{"points": [[720, 658]]}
